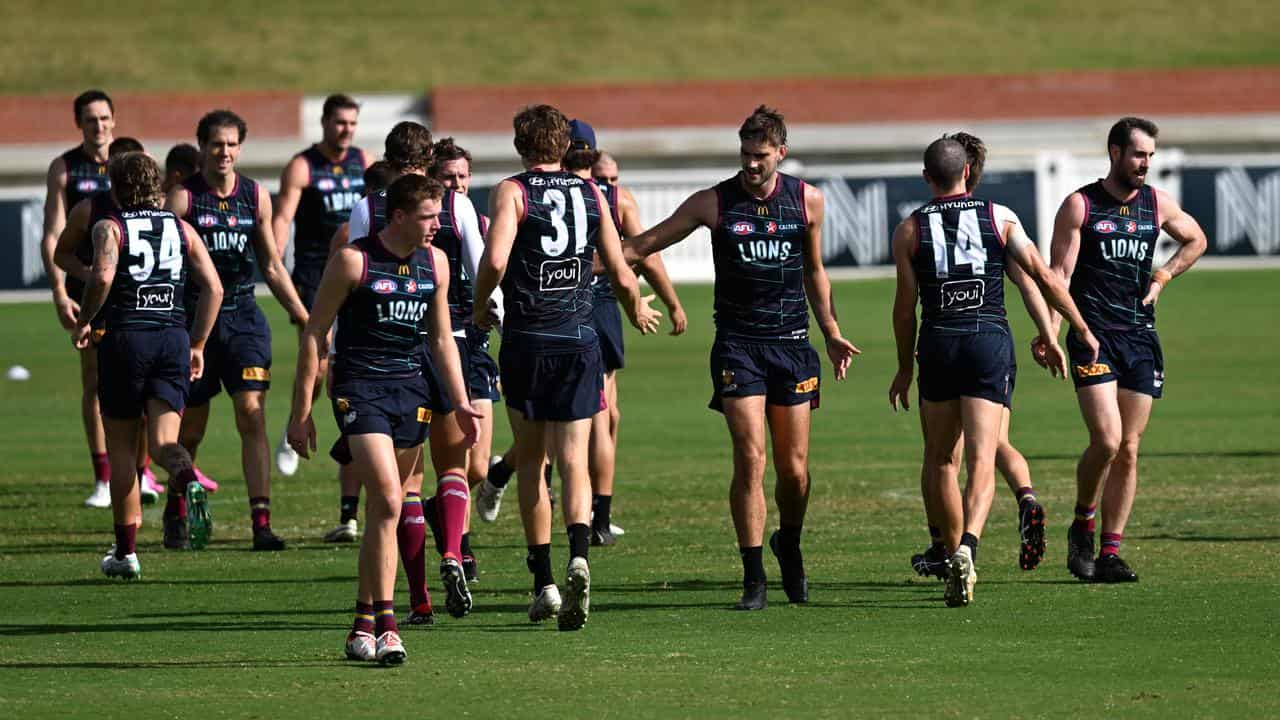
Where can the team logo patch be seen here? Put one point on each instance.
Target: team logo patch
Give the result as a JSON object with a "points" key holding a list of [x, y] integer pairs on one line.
{"points": [[536, 181], [383, 286], [206, 220], [346, 183], [232, 221], [349, 418], [742, 227], [1106, 227], [325, 184], [1130, 227], [962, 294], [411, 286], [87, 185], [155, 297], [727, 378], [558, 275], [260, 374], [1158, 379], [342, 404], [771, 227], [1094, 370], [807, 386], [424, 415]]}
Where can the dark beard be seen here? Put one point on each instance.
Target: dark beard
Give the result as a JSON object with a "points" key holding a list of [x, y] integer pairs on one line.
{"points": [[1132, 182]]}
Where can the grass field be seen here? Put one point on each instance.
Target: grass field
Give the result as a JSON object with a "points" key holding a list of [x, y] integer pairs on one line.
{"points": [[229, 633], [64, 46]]}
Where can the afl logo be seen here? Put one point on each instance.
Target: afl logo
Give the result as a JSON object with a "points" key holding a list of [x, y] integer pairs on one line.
{"points": [[1130, 227], [742, 227], [1106, 227], [771, 227], [206, 221], [383, 286], [325, 184], [87, 185], [411, 287]]}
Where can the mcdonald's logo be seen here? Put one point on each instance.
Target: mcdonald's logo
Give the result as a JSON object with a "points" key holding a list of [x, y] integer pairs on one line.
{"points": [[403, 270], [762, 210], [1124, 210], [222, 205]]}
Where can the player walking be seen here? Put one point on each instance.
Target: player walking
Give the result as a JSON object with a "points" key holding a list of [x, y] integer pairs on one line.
{"points": [[1104, 237], [766, 244]]}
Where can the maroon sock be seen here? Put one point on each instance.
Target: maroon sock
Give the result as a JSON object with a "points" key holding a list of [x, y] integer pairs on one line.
{"points": [[364, 618], [384, 617], [1085, 518], [260, 511], [451, 502], [1023, 493], [101, 467], [176, 498], [126, 540], [1111, 543], [411, 538]]}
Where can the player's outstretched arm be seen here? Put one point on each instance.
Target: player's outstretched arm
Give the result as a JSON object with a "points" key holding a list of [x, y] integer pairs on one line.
{"points": [[1065, 246], [273, 272], [652, 267], [341, 274], [106, 255], [904, 313], [73, 234], [1044, 347], [1191, 244], [506, 206], [698, 209], [444, 351], [54, 221], [293, 179], [205, 275], [1055, 291], [625, 285], [817, 286]]}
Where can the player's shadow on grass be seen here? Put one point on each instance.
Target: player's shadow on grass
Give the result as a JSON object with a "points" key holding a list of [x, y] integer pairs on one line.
{"points": [[158, 665], [86, 582], [177, 628], [1210, 538]]}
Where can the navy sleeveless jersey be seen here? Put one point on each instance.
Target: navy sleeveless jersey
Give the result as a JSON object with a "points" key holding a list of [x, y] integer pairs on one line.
{"points": [[377, 212], [959, 264], [86, 177], [547, 287], [326, 202], [1113, 269], [226, 225], [380, 326], [600, 284], [147, 292], [758, 249], [461, 290]]}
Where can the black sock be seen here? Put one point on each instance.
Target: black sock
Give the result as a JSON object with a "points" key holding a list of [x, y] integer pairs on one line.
{"points": [[600, 508], [350, 507], [466, 544], [546, 474], [579, 540], [539, 563], [970, 541], [500, 473], [431, 513], [935, 536], [752, 564], [789, 537]]}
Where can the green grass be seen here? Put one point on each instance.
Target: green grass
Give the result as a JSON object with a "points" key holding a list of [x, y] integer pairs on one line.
{"points": [[65, 46], [229, 633]]}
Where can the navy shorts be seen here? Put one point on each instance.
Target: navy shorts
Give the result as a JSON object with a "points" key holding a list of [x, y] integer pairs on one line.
{"points": [[557, 385], [980, 365], [607, 321], [306, 280], [786, 373], [437, 392], [1131, 359], [237, 356], [134, 365], [482, 371], [394, 407]]}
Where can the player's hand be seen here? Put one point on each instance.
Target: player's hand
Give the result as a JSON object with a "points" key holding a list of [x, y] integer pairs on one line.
{"points": [[302, 436], [68, 311], [468, 419], [80, 335], [300, 321], [646, 318], [1153, 294], [1038, 351], [679, 321], [898, 390], [1088, 339], [197, 363], [841, 352], [482, 318], [1053, 358], [494, 316]]}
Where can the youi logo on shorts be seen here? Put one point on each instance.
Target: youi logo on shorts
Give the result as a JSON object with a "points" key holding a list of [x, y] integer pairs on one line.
{"points": [[557, 275], [962, 294]]}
